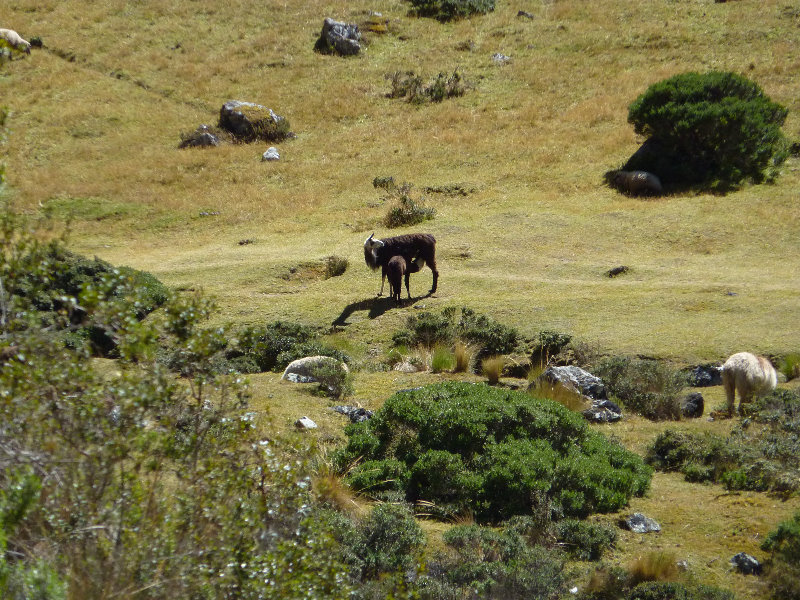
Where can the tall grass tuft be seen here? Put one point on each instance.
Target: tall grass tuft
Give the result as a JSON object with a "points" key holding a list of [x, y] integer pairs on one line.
{"points": [[492, 368], [463, 355], [790, 366], [654, 566], [442, 359], [558, 393]]}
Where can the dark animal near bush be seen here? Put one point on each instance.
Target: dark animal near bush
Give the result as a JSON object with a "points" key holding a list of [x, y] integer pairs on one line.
{"points": [[748, 374], [396, 270], [637, 183], [413, 247]]}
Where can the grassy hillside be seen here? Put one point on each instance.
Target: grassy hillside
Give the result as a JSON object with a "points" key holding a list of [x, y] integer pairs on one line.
{"points": [[97, 116]]}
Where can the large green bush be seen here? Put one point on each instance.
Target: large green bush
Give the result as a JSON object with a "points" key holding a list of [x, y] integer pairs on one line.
{"points": [[712, 129], [467, 447], [447, 10]]}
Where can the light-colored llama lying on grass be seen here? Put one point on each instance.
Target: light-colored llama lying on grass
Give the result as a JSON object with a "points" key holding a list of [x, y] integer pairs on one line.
{"points": [[10, 38], [748, 374]]}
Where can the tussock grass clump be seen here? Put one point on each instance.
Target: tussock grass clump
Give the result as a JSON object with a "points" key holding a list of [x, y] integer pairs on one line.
{"points": [[790, 366], [404, 210], [653, 566], [335, 266], [463, 355], [442, 359], [492, 368], [409, 85]]}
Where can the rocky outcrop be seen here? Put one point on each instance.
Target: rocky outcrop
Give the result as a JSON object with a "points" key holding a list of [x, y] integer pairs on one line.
{"points": [[248, 122], [310, 369], [639, 523], [339, 38], [577, 380]]}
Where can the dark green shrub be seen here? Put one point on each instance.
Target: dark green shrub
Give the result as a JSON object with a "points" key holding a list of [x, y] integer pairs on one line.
{"points": [[406, 211], [429, 329], [713, 129], [584, 541], [271, 347], [648, 387], [548, 344], [489, 335], [335, 266], [391, 537], [492, 450], [484, 563], [66, 282], [410, 86], [672, 590], [426, 329], [759, 457], [784, 541], [448, 10], [375, 476]]}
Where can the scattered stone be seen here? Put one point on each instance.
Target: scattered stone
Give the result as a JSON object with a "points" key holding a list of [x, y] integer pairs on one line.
{"points": [[405, 367], [338, 38], [617, 271], [746, 564], [693, 406], [271, 154], [500, 59], [577, 380], [638, 523], [704, 375], [247, 241], [304, 370], [603, 411], [305, 423], [683, 565], [202, 137], [355, 413], [525, 14], [637, 183]]}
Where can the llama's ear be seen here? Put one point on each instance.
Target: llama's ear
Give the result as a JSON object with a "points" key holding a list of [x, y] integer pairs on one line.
{"points": [[367, 241]]}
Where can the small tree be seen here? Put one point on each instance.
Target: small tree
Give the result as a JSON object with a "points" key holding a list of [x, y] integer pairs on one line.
{"points": [[713, 129]]}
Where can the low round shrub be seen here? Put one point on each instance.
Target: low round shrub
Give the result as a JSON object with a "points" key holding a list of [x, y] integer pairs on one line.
{"points": [[712, 129], [491, 451]]}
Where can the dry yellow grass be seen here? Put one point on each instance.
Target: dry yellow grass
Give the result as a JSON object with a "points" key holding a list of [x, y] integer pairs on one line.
{"points": [[97, 116]]}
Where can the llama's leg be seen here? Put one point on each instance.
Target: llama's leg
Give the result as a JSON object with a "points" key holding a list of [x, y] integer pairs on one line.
{"points": [[383, 280], [729, 383], [435, 271], [408, 275]]}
